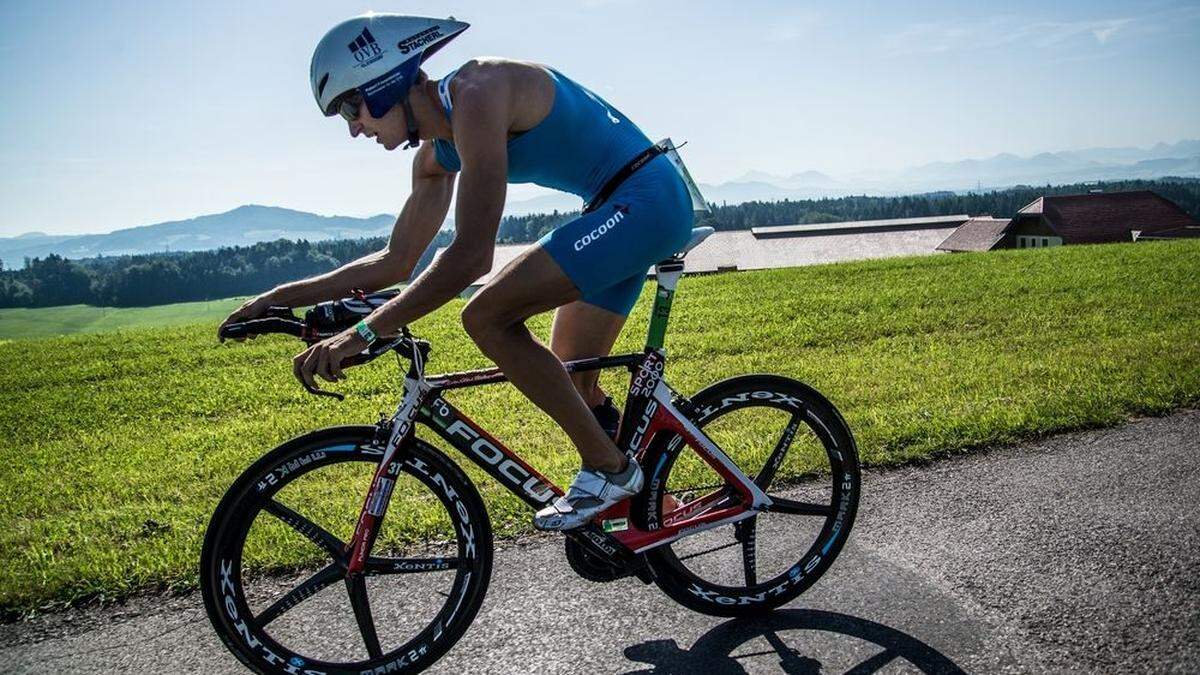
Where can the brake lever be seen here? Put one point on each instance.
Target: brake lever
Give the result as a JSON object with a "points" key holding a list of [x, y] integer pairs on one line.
{"points": [[321, 392], [366, 356]]}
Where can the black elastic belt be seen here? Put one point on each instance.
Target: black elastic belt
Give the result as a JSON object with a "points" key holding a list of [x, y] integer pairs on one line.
{"points": [[619, 177]]}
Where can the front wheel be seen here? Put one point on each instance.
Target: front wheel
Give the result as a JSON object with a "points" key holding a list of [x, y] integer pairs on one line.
{"points": [[273, 568], [797, 448]]}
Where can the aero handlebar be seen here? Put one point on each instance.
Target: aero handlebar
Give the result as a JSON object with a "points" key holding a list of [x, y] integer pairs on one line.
{"points": [[282, 320]]}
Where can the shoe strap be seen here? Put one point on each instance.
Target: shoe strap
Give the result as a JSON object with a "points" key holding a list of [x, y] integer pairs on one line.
{"points": [[587, 483]]}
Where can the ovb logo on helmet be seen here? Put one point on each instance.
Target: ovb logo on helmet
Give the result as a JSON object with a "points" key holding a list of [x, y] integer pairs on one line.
{"points": [[365, 49]]}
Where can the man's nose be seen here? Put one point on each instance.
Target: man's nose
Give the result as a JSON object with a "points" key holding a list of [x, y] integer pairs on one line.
{"points": [[355, 129]]}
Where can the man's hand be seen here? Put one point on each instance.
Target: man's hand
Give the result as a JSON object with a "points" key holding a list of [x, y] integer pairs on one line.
{"points": [[251, 309], [324, 359]]}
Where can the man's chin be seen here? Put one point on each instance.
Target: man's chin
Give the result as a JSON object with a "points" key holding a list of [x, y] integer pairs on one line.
{"points": [[391, 145]]}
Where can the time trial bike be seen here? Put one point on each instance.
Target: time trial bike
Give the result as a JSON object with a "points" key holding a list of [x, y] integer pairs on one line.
{"points": [[751, 489]]}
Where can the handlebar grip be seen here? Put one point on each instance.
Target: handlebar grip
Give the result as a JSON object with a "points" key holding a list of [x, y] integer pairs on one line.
{"points": [[234, 331], [241, 329]]}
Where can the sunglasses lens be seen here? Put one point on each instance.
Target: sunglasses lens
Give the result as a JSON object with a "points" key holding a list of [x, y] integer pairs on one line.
{"points": [[349, 109]]}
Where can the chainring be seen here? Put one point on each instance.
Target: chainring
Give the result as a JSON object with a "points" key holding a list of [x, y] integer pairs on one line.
{"points": [[591, 566]]}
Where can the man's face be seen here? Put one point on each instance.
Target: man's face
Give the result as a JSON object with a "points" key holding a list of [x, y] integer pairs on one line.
{"points": [[389, 131]]}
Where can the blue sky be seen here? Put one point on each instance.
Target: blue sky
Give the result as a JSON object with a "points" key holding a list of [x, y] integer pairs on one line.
{"points": [[117, 114]]}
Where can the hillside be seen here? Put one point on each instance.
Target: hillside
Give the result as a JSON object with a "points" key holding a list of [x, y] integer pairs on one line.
{"points": [[120, 444], [24, 323]]}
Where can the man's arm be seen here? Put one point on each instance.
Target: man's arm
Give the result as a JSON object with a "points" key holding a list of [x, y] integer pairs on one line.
{"points": [[423, 213], [481, 121]]}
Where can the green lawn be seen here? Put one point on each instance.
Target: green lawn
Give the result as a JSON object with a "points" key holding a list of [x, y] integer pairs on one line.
{"points": [[118, 445], [22, 323]]}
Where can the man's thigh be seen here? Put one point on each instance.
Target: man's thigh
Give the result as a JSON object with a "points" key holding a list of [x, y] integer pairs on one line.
{"points": [[582, 330], [529, 285]]}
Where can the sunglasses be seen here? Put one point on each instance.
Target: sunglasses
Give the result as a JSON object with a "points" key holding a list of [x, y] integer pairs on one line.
{"points": [[348, 108]]}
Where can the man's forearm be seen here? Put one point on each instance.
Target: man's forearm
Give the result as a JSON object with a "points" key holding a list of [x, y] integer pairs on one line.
{"points": [[418, 222], [370, 272], [450, 275]]}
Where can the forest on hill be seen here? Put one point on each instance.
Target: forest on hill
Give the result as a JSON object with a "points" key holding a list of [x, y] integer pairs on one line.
{"points": [[155, 279]]}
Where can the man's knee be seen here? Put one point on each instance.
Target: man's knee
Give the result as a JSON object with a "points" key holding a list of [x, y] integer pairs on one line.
{"points": [[477, 320], [485, 318]]}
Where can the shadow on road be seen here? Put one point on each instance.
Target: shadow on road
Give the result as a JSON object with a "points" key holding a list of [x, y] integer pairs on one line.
{"points": [[714, 651]]}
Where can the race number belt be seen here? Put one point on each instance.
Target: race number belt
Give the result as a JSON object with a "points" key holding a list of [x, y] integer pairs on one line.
{"points": [[623, 173]]}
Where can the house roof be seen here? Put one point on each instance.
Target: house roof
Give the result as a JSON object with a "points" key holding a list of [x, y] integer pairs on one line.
{"points": [[857, 226], [1185, 232], [741, 250], [1107, 216], [977, 234]]}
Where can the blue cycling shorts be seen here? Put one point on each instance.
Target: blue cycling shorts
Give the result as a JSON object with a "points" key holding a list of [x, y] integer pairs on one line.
{"points": [[607, 252]]}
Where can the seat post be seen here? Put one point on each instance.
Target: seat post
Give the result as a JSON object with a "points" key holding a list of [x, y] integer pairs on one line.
{"points": [[666, 274]]}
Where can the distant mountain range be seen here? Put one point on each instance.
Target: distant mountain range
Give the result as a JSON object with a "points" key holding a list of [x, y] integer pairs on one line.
{"points": [[242, 226], [250, 224], [1006, 170], [1001, 171]]}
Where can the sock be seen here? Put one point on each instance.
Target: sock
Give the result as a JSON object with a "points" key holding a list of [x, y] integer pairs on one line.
{"points": [[608, 416], [623, 477]]}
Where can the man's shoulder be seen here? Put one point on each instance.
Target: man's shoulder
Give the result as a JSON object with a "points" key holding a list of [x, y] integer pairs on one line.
{"points": [[493, 71]]}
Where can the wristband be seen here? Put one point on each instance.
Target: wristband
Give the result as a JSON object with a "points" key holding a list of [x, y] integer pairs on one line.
{"points": [[364, 331]]}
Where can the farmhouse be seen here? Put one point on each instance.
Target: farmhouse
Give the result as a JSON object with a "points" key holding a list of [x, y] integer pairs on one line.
{"points": [[1076, 219], [794, 245]]}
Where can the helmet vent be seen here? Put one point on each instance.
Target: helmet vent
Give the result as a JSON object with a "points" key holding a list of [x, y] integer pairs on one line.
{"points": [[321, 85]]}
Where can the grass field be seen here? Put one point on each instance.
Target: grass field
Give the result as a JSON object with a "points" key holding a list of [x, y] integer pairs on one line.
{"points": [[22, 323], [118, 445]]}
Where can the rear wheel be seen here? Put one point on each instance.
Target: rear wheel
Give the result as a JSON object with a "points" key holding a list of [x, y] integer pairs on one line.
{"points": [[798, 449], [273, 568]]}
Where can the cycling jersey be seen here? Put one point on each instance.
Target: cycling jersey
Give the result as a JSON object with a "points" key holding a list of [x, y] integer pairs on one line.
{"points": [[576, 148]]}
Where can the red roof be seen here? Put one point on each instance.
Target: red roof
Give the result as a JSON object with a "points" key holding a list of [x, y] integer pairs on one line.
{"points": [[1186, 232], [977, 234], [1107, 216]]}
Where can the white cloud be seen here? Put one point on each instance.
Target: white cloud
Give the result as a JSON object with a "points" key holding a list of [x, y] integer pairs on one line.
{"points": [[1103, 33], [947, 36], [792, 27]]}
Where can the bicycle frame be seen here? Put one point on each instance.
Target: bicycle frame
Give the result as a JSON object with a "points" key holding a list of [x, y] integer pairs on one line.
{"points": [[651, 408]]}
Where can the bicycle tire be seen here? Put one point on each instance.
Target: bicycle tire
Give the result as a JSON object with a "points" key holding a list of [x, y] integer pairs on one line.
{"points": [[223, 584], [799, 402]]}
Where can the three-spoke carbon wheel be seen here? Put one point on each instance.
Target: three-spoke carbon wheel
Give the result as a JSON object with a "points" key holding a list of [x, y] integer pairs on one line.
{"points": [[799, 450], [273, 568]]}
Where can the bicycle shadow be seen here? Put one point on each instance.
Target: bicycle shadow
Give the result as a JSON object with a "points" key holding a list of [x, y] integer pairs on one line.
{"points": [[713, 652]]}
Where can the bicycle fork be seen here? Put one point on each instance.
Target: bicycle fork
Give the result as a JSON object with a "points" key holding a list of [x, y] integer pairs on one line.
{"points": [[375, 505]]}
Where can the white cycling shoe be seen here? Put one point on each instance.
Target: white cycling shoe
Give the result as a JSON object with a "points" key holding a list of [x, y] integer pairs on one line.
{"points": [[590, 493]]}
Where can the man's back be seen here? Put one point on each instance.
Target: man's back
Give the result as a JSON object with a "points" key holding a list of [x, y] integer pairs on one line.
{"points": [[579, 143]]}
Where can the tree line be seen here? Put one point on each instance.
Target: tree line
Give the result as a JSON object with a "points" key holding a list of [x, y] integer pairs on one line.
{"points": [[160, 278]]}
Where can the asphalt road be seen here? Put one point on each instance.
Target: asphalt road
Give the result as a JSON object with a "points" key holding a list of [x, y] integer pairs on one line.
{"points": [[1080, 552]]}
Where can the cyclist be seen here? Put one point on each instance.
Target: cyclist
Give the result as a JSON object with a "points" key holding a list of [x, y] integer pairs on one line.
{"points": [[495, 121]]}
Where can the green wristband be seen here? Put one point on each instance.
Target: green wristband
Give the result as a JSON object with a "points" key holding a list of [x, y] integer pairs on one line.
{"points": [[364, 331]]}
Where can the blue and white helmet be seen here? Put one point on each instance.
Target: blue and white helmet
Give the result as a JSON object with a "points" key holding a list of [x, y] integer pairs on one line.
{"points": [[376, 55]]}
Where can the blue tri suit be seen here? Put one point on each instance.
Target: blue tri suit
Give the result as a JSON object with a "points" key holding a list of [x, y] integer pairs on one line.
{"points": [[576, 148]]}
